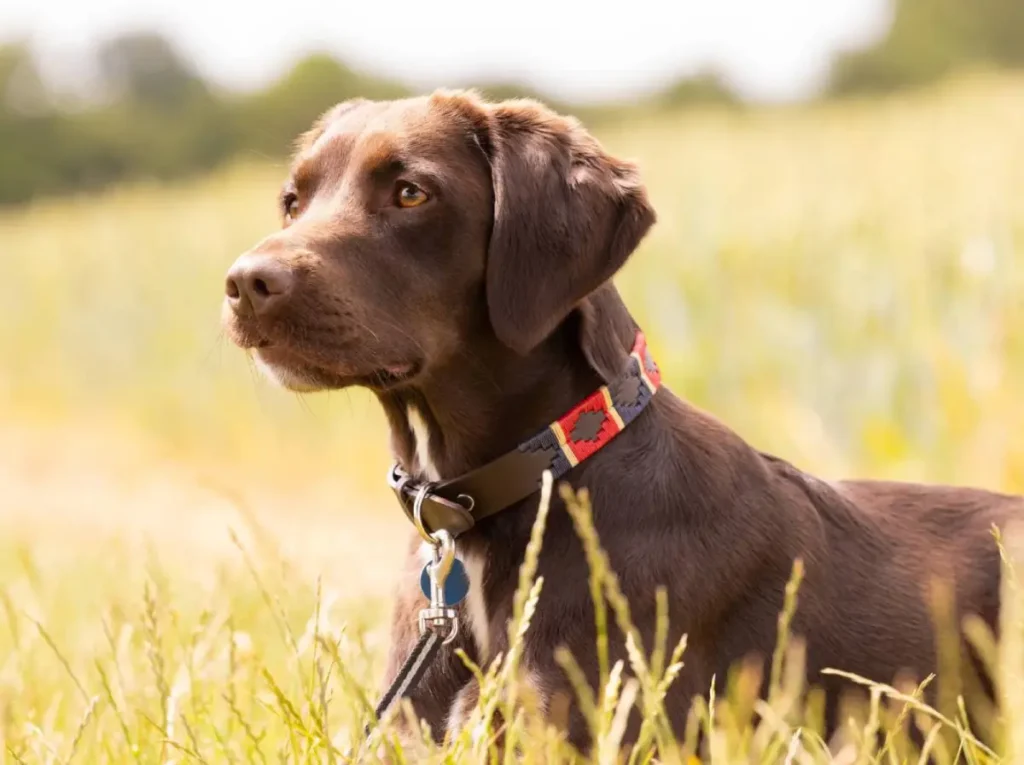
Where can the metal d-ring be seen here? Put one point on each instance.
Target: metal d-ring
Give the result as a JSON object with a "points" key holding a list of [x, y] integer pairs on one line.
{"points": [[417, 515]]}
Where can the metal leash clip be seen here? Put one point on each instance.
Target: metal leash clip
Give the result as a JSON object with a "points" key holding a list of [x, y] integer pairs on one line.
{"points": [[438, 617]]}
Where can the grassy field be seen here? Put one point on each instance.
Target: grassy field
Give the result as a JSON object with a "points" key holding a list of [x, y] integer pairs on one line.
{"points": [[197, 566]]}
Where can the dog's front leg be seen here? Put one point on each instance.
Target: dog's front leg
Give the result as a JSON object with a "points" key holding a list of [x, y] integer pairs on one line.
{"points": [[465, 701]]}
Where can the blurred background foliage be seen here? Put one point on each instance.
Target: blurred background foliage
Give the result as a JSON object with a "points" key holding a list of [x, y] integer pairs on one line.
{"points": [[157, 118], [930, 39], [153, 116]]}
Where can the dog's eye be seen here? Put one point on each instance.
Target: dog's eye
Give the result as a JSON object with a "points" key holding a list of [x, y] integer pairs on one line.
{"points": [[290, 203], [408, 195]]}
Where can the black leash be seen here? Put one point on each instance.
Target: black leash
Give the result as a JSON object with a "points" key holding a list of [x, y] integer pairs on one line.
{"points": [[409, 675], [438, 623]]}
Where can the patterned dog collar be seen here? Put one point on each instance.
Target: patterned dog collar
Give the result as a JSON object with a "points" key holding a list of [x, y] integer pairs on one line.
{"points": [[456, 505]]}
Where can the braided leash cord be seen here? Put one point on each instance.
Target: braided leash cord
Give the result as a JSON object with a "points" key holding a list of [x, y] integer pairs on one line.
{"points": [[409, 675]]}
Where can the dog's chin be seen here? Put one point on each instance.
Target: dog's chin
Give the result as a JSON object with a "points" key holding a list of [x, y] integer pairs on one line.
{"points": [[302, 378], [286, 377]]}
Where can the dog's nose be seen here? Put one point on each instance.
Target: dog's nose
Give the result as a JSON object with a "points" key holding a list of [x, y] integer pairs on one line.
{"points": [[258, 283]]}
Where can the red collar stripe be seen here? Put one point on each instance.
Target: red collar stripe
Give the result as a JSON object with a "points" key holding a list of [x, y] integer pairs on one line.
{"points": [[601, 422]]}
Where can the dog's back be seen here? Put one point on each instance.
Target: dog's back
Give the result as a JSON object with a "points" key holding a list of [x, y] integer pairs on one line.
{"points": [[897, 562], [946, 535]]}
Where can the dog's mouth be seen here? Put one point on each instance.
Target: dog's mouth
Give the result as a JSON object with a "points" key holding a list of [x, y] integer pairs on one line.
{"points": [[311, 369]]}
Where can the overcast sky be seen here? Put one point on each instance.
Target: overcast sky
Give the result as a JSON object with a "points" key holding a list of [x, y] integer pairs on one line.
{"points": [[769, 50]]}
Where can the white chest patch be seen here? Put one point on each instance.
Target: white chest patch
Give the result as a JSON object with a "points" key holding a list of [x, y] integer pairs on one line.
{"points": [[422, 435], [475, 605]]}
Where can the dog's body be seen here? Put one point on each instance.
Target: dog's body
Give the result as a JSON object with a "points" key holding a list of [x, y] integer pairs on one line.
{"points": [[476, 301]]}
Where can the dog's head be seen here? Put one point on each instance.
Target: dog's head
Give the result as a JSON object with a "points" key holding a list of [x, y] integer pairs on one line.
{"points": [[418, 227]]}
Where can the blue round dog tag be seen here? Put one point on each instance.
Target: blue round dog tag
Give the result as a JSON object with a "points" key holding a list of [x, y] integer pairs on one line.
{"points": [[456, 586]]}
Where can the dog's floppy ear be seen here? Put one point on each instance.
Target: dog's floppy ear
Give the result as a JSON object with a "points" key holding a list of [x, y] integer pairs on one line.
{"points": [[566, 218]]}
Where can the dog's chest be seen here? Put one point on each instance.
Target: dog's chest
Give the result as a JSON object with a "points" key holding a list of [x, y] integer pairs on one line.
{"points": [[476, 604]]}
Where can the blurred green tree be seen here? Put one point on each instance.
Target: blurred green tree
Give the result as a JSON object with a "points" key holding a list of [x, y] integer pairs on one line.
{"points": [[164, 118], [27, 128], [929, 39], [704, 87], [146, 69], [268, 121]]}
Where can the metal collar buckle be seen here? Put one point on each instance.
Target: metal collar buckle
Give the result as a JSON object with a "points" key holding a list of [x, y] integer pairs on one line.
{"points": [[428, 510]]}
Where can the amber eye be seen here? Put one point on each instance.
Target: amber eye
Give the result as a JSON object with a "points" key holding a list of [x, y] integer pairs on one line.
{"points": [[290, 203], [408, 195]]}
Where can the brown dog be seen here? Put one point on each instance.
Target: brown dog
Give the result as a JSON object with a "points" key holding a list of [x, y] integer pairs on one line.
{"points": [[456, 258]]}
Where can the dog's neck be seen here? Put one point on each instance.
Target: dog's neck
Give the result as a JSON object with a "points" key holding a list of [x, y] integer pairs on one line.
{"points": [[482, 405], [488, 400]]}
